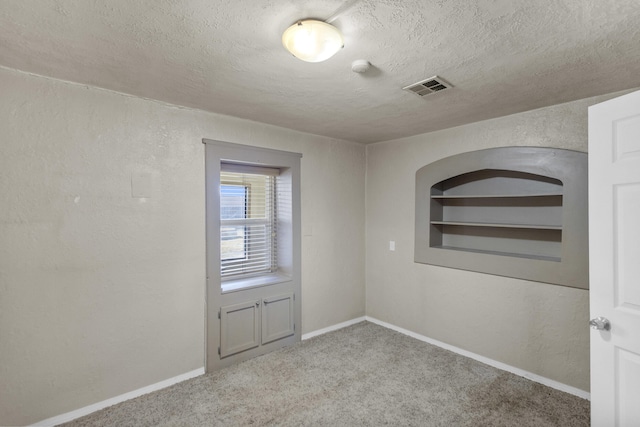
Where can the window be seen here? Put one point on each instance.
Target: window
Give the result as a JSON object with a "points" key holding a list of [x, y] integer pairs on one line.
{"points": [[234, 206], [252, 218], [248, 232]]}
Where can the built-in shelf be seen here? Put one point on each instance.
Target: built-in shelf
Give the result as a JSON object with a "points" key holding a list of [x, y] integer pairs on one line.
{"points": [[494, 196], [534, 257], [496, 225], [514, 211]]}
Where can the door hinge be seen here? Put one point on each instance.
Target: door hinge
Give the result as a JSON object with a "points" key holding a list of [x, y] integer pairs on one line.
{"points": [[219, 313], [294, 327], [218, 351], [294, 297]]}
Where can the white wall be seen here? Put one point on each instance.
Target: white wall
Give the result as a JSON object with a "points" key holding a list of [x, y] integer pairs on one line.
{"points": [[102, 293], [538, 327]]}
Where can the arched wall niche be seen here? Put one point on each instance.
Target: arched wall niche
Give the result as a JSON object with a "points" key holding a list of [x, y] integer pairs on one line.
{"points": [[513, 211]]}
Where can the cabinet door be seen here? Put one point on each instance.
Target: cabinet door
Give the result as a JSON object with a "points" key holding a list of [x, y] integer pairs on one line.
{"points": [[277, 318], [239, 328]]}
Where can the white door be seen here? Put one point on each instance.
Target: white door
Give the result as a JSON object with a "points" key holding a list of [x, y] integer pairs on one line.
{"points": [[614, 247]]}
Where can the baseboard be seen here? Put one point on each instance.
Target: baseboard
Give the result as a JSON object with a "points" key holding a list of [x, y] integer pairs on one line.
{"points": [[333, 328], [63, 418], [487, 361], [69, 416]]}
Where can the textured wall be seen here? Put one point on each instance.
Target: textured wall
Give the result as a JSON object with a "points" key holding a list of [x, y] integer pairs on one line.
{"points": [[102, 293], [537, 327]]}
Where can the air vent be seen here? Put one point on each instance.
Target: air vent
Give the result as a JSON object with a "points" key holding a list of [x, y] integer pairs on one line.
{"points": [[427, 87]]}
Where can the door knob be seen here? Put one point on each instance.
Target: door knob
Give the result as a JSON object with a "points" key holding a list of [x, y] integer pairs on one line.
{"points": [[600, 323]]}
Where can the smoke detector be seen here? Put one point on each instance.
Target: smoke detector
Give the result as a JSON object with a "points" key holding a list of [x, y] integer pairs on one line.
{"points": [[360, 66], [428, 86]]}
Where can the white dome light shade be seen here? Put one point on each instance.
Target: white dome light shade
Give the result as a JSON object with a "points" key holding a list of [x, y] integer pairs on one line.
{"points": [[312, 41]]}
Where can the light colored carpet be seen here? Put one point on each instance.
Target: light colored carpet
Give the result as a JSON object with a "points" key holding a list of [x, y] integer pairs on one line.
{"points": [[363, 375]]}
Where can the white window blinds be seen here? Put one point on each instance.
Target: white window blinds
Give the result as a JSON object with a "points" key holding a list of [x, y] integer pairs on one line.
{"points": [[247, 220]]}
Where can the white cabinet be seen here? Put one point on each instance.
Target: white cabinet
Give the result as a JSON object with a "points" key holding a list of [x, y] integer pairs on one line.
{"points": [[277, 318], [255, 323], [239, 328]]}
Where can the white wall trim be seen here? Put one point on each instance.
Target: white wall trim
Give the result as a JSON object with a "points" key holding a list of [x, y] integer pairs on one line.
{"points": [[487, 361], [63, 418], [69, 416], [333, 328]]}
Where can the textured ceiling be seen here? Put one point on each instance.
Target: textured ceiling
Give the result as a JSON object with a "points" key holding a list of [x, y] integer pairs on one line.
{"points": [[225, 56]]}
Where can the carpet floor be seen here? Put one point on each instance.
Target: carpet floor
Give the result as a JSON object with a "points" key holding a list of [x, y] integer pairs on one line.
{"points": [[362, 375]]}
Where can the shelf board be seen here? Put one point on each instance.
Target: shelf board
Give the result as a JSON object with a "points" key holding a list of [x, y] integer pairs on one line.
{"points": [[497, 225], [510, 254], [494, 196]]}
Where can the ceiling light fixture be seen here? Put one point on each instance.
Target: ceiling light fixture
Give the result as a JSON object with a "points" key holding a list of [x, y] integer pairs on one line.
{"points": [[312, 40]]}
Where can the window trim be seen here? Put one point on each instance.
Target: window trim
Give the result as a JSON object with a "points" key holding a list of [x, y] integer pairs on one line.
{"points": [[225, 154], [257, 281]]}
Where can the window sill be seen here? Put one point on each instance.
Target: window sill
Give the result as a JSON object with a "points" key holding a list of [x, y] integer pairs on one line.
{"points": [[253, 282]]}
